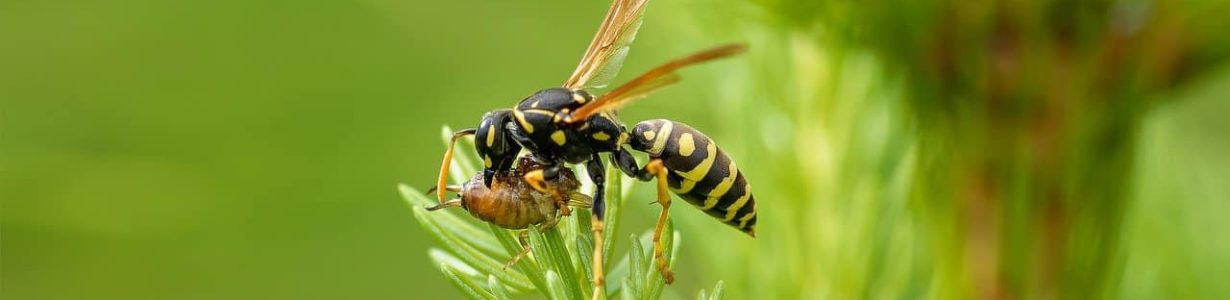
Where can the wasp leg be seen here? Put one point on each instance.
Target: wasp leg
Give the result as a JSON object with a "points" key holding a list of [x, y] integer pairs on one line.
{"points": [[597, 174], [655, 167], [627, 163], [448, 160], [599, 281], [525, 249], [447, 204]]}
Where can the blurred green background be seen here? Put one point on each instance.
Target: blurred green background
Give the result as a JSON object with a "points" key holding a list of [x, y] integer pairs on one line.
{"points": [[899, 149]]}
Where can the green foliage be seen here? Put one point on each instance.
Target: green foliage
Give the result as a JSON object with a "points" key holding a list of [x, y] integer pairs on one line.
{"points": [[472, 254], [932, 149]]}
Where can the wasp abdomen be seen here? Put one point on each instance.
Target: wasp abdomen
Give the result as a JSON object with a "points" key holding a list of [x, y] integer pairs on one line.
{"points": [[700, 172]]}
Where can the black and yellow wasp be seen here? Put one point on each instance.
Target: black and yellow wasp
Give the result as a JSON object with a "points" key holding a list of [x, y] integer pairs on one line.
{"points": [[568, 125]]}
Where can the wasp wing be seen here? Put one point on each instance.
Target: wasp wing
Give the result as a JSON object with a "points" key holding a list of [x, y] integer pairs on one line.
{"points": [[651, 81], [610, 45]]}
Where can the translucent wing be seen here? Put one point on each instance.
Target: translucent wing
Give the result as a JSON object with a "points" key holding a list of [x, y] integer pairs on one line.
{"points": [[607, 50], [651, 81]]}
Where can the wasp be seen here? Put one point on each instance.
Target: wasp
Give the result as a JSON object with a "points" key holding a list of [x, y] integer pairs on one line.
{"points": [[568, 125]]}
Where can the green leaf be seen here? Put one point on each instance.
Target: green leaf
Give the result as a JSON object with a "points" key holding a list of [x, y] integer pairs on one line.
{"points": [[617, 274], [655, 281], [467, 286], [526, 265], [637, 262], [549, 247], [452, 222], [556, 288], [443, 257], [584, 244], [627, 289], [717, 291], [467, 253], [614, 210], [496, 288]]}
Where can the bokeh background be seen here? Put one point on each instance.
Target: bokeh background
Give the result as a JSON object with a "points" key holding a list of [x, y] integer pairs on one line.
{"points": [[899, 149]]}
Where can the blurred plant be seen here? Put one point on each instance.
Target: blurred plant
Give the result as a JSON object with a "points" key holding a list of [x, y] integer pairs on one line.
{"points": [[559, 265], [943, 149]]}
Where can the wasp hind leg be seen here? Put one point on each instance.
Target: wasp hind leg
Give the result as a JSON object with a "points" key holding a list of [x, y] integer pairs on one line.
{"points": [[442, 182], [656, 168]]}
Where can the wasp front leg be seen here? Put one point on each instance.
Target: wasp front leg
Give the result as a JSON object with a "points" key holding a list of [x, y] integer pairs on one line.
{"points": [[442, 182]]}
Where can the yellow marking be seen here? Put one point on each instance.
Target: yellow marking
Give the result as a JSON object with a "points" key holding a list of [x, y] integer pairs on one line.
{"points": [[487, 160], [559, 137], [698, 173], [685, 186], [748, 217], [649, 135], [535, 179], [540, 112], [734, 207], [520, 116], [722, 187], [578, 97], [623, 138], [601, 136], [686, 144], [665, 134], [490, 135]]}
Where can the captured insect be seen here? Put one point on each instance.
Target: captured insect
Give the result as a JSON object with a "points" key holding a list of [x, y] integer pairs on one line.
{"points": [[510, 202], [569, 125]]}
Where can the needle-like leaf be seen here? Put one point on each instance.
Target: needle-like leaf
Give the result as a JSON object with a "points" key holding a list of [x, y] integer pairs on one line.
{"points": [[496, 288], [468, 287]]}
